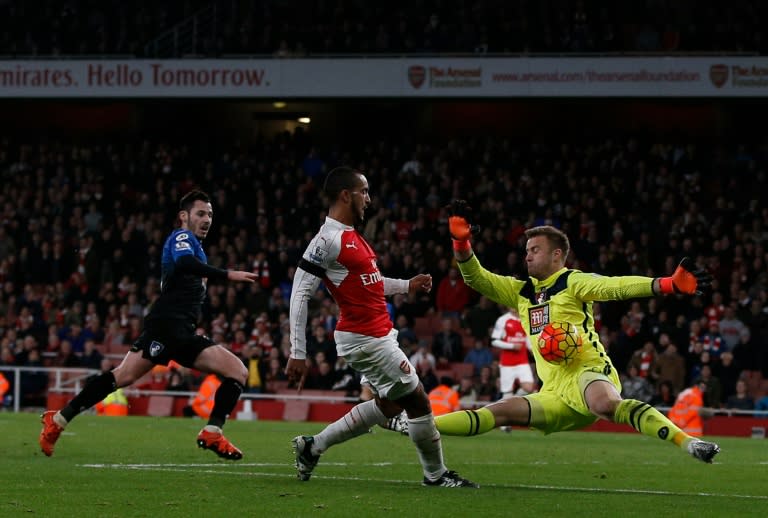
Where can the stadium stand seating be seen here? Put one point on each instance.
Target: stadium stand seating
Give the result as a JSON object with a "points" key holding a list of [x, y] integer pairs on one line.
{"points": [[294, 28], [60, 189]]}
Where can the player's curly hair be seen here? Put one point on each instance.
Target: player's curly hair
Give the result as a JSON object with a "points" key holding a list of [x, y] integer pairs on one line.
{"points": [[556, 237], [339, 179], [189, 199]]}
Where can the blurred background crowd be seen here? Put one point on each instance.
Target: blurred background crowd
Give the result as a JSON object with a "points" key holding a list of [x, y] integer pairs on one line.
{"points": [[82, 226], [83, 216]]}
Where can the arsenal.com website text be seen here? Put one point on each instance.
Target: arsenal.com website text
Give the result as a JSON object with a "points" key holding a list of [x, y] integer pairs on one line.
{"points": [[593, 76]]}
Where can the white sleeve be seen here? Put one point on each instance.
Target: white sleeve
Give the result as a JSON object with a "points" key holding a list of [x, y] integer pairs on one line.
{"points": [[498, 328], [501, 344], [520, 341], [497, 335], [304, 286], [312, 267], [392, 286]]}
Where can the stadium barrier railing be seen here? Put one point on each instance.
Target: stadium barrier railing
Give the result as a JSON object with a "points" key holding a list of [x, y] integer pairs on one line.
{"points": [[322, 405]]}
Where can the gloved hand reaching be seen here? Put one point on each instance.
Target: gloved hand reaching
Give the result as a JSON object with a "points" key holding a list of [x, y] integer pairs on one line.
{"points": [[686, 279], [459, 225], [458, 220]]}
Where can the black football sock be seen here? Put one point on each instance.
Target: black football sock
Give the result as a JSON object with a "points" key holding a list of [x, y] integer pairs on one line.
{"points": [[224, 401], [94, 391]]}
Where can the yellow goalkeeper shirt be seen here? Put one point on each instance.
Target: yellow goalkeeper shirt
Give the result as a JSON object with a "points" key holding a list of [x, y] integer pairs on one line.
{"points": [[565, 296]]}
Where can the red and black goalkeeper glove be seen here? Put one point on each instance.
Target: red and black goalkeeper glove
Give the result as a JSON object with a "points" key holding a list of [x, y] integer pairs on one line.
{"points": [[686, 279], [459, 226]]}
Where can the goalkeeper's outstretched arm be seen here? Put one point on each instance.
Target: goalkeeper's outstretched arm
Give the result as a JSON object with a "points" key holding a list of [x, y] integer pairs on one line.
{"points": [[461, 229]]}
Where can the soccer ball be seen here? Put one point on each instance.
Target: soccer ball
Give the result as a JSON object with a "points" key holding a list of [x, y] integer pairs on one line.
{"points": [[559, 343]]}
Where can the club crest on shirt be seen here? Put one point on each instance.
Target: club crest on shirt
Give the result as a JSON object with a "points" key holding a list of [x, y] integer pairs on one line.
{"points": [[155, 348], [538, 317], [405, 366]]}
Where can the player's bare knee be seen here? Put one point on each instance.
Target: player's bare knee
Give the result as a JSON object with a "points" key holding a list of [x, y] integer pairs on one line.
{"points": [[418, 411], [416, 404], [512, 411], [240, 375], [124, 378], [604, 408], [388, 408]]}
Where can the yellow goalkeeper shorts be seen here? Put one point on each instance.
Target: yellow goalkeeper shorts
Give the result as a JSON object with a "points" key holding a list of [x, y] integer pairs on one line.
{"points": [[560, 406]]}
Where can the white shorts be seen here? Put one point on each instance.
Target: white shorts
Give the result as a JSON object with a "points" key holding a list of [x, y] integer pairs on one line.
{"points": [[382, 363], [509, 373]]}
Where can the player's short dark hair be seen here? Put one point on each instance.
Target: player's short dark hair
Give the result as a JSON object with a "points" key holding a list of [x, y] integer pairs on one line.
{"points": [[556, 237], [339, 179], [189, 199]]}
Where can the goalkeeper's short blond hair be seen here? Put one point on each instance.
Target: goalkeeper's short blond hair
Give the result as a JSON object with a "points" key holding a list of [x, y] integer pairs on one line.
{"points": [[556, 237]]}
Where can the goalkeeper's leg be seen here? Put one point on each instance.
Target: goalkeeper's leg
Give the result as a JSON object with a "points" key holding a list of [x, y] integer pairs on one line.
{"points": [[604, 401], [512, 411], [649, 421]]}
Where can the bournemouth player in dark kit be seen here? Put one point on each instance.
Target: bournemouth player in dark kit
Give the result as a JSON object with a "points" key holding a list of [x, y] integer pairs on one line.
{"points": [[169, 334]]}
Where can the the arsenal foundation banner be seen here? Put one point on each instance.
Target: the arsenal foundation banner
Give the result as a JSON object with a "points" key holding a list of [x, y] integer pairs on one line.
{"points": [[481, 77]]}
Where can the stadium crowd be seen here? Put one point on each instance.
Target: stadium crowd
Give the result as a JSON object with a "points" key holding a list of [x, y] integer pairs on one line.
{"points": [[290, 28], [82, 225]]}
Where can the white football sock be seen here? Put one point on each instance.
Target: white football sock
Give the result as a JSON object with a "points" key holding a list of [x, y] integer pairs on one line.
{"points": [[355, 422], [59, 420], [425, 436]]}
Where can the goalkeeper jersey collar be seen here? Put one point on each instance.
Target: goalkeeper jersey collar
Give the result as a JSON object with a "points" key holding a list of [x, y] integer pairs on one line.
{"points": [[549, 280]]}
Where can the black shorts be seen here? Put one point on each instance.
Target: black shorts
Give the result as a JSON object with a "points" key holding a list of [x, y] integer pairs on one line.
{"points": [[164, 340]]}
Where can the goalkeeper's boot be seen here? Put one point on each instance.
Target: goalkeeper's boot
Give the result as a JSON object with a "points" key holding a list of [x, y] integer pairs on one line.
{"points": [[703, 450], [399, 423], [305, 460], [211, 438], [449, 479], [50, 432]]}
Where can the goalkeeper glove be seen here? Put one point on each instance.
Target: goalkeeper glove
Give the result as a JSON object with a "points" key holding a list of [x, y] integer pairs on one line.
{"points": [[459, 226], [686, 279]]}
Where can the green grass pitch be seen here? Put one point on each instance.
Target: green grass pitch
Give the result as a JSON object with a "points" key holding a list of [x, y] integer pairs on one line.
{"points": [[138, 466]]}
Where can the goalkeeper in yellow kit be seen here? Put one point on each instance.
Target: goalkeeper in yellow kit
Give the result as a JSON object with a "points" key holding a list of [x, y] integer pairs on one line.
{"points": [[572, 396]]}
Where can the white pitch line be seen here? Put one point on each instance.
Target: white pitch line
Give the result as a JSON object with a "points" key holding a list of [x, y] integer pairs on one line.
{"points": [[219, 465], [185, 468], [192, 465]]}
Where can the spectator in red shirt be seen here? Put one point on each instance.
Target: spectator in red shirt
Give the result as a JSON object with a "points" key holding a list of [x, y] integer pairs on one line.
{"points": [[452, 294], [714, 312]]}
